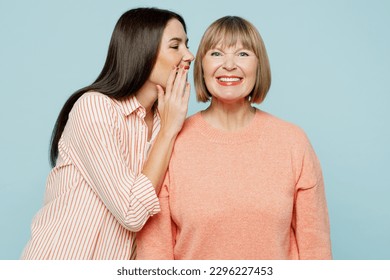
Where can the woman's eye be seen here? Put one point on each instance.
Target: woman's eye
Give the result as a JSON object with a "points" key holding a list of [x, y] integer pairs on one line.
{"points": [[243, 54], [215, 54], [175, 47]]}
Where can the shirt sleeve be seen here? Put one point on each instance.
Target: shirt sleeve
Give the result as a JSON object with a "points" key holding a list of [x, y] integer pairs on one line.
{"points": [[311, 221], [97, 153], [156, 240]]}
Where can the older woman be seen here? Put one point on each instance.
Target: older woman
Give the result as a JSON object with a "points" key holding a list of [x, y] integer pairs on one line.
{"points": [[241, 183]]}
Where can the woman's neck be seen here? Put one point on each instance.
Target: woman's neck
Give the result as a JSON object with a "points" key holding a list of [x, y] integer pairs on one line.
{"points": [[147, 96], [229, 117]]}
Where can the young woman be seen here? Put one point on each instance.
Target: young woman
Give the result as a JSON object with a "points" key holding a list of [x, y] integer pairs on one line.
{"points": [[112, 142], [241, 183]]}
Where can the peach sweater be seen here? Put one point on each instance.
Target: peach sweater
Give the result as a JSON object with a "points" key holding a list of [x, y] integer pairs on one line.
{"points": [[257, 193]]}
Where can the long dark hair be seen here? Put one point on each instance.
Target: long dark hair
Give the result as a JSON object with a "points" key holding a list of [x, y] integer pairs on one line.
{"points": [[131, 56]]}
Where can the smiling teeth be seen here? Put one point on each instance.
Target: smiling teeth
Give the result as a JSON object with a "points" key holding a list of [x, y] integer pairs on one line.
{"points": [[229, 79]]}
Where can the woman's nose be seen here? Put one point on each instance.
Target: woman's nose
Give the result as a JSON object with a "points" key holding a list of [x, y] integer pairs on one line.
{"points": [[229, 62], [188, 56]]}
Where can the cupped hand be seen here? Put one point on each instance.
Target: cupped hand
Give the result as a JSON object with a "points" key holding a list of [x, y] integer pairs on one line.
{"points": [[173, 103]]}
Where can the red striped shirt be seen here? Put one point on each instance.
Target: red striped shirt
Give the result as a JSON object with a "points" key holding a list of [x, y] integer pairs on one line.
{"points": [[96, 196]]}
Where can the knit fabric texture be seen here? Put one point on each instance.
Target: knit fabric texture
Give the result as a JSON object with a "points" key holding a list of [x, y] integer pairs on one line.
{"points": [[255, 193]]}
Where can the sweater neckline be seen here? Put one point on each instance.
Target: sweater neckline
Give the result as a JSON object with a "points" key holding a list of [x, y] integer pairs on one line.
{"points": [[250, 132]]}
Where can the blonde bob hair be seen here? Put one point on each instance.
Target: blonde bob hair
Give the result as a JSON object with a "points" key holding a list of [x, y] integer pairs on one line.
{"points": [[228, 31]]}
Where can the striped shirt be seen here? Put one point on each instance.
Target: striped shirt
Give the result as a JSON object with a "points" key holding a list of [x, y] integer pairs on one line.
{"points": [[96, 196]]}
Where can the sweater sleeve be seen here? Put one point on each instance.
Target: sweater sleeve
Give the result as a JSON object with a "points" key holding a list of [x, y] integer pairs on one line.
{"points": [[97, 152], [311, 221], [157, 239]]}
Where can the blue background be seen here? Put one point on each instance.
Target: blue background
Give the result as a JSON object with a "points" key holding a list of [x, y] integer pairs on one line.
{"points": [[331, 69]]}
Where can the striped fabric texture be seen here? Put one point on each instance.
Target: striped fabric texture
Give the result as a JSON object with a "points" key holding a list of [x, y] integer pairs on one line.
{"points": [[96, 196]]}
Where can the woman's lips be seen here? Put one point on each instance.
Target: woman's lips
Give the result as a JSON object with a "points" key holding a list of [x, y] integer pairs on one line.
{"points": [[229, 80]]}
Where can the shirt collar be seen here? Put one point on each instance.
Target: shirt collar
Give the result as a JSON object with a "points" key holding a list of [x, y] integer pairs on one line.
{"points": [[130, 105]]}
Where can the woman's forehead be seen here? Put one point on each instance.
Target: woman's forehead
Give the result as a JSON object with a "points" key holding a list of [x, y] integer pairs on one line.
{"points": [[238, 41]]}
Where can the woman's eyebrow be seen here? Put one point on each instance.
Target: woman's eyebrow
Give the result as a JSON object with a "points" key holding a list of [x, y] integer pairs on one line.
{"points": [[178, 39]]}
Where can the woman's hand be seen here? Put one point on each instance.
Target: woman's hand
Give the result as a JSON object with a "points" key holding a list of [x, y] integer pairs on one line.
{"points": [[172, 107], [173, 104]]}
